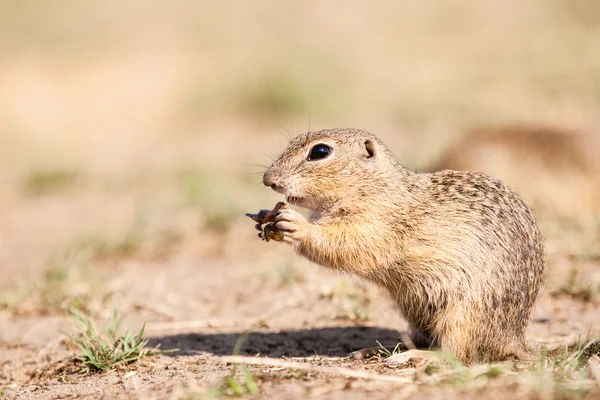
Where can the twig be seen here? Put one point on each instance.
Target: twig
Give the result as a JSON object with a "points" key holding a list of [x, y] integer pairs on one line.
{"points": [[347, 372]]}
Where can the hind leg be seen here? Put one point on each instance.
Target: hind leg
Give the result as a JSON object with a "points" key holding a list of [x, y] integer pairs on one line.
{"points": [[472, 336]]}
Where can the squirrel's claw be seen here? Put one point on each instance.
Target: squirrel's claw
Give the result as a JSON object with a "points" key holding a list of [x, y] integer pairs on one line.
{"points": [[265, 223]]}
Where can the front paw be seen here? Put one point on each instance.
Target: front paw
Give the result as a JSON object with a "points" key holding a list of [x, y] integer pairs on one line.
{"points": [[291, 224], [266, 223]]}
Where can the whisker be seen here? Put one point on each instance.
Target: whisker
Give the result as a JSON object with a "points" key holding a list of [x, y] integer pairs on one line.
{"points": [[291, 124], [255, 165], [267, 155], [288, 134], [273, 147]]}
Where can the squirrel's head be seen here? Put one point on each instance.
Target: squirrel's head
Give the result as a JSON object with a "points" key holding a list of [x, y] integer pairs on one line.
{"points": [[318, 169]]}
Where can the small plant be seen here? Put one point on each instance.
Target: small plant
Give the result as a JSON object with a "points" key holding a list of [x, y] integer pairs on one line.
{"points": [[40, 182], [575, 357], [564, 372], [382, 350], [101, 352], [232, 385]]}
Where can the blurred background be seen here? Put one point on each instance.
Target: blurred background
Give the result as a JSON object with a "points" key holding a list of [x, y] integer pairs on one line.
{"points": [[116, 114], [119, 116], [141, 131], [133, 137]]}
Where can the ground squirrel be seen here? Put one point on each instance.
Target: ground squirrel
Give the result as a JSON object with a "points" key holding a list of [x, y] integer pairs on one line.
{"points": [[556, 170], [459, 252]]}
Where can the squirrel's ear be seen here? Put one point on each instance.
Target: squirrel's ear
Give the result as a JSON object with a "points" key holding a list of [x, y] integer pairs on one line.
{"points": [[370, 149]]}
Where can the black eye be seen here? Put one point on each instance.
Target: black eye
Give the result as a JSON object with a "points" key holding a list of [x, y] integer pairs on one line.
{"points": [[319, 152]]}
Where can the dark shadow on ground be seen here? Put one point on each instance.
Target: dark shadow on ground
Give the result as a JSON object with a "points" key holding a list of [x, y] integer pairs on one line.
{"points": [[332, 342]]}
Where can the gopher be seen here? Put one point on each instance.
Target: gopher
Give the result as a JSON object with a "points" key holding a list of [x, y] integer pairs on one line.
{"points": [[459, 252]]}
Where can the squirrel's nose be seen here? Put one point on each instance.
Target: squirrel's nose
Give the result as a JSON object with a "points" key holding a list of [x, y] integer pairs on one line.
{"points": [[269, 180]]}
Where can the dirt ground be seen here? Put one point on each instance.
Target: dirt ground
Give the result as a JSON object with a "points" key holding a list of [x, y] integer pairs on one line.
{"points": [[132, 141]]}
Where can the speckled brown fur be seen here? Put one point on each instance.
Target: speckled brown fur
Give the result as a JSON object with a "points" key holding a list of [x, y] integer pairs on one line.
{"points": [[459, 252]]}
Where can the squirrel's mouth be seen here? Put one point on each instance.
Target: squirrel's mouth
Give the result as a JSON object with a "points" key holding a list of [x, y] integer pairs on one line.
{"points": [[304, 202], [297, 201], [293, 199]]}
